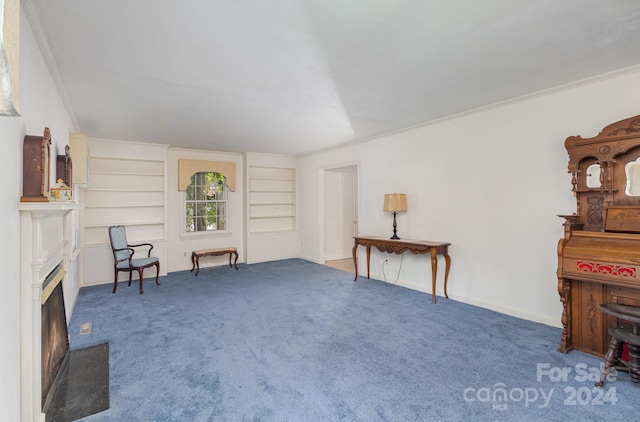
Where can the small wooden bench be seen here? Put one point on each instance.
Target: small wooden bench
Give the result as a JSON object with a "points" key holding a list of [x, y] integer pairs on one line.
{"points": [[196, 255]]}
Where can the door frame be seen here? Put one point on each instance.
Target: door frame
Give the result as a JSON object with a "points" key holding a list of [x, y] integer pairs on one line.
{"points": [[350, 167]]}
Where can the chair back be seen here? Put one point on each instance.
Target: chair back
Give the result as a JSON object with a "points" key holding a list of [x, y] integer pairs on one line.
{"points": [[118, 238]]}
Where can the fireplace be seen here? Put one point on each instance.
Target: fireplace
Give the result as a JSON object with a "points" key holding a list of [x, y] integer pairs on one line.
{"points": [[55, 337], [47, 248]]}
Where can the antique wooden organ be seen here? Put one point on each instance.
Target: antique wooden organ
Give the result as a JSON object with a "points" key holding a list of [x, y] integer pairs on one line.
{"points": [[599, 255]]}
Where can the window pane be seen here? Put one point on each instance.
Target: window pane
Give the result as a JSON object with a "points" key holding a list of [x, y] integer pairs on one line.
{"points": [[190, 193], [200, 193], [210, 218], [205, 203], [190, 225], [199, 179]]}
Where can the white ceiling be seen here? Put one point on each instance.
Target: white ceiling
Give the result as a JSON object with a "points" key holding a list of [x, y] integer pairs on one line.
{"points": [[296, 76]]}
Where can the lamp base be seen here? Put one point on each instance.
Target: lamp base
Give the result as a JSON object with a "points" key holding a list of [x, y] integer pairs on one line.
{"points": [[395, 226]]}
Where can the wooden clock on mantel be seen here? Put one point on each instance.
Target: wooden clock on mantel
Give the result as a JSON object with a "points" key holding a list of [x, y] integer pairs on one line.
{"points": [[64, 167], [36, 152]]}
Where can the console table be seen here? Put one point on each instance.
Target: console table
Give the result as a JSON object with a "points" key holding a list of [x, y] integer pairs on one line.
{"points": [[415, 247], [196, 255]]}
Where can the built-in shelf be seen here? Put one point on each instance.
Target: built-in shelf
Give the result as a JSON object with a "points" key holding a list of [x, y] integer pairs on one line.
{"points": [[273, 216], [124, 190], [128, 192], [271, 204], [125, 206], [273, 191], [271, 199], [272, 178], [127, 173], [133, 223]]}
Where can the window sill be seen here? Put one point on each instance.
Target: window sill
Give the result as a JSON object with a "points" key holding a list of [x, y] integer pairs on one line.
{"points": [[210, 234]]}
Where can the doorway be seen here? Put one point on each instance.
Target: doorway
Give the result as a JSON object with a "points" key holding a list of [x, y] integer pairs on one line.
{"points": [[340, 215]]}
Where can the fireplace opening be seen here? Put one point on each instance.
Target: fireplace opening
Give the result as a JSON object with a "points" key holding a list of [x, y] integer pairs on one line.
{"points": [[55, 338]]}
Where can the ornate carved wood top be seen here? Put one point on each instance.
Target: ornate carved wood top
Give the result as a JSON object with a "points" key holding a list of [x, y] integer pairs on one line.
{"points": [[613, 140], [605, 173]]}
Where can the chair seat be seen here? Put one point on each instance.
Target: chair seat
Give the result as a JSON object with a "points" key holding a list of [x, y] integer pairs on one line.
{"points": [[625, 335], [138, 262], [626, 312]]}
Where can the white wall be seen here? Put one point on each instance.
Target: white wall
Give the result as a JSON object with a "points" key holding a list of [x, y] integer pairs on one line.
{"points": [[40, 106], [490, 182], [12, 131], [180, 245]]}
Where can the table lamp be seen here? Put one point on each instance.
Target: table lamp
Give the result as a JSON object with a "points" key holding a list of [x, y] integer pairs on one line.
{"points": [[395, 202]]}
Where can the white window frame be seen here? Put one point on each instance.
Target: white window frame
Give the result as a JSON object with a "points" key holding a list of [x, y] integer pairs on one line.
{"points": [[207, 233]]}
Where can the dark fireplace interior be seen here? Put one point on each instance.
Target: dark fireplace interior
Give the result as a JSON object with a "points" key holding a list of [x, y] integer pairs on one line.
{"points": [[55, 339], [75, 384]]}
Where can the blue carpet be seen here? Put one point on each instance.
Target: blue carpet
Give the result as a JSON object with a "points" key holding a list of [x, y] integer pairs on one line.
{"points": [[295, 341]]}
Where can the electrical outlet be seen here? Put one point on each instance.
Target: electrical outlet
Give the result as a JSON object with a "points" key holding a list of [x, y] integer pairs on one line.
{"points": [[185, 254], [85, 328]]}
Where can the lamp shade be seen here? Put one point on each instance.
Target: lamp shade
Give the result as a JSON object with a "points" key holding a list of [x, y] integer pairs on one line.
{"points": [[395, 202]]}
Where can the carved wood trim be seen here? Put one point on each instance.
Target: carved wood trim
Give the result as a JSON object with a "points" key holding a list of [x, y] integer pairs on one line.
{"points": [[614, 139]]}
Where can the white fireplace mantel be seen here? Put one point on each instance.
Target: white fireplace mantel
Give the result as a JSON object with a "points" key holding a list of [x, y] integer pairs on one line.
{"points": [[47, 239]]}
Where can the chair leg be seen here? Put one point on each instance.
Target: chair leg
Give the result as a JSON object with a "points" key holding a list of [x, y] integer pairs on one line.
{"points": [[115, 280], [140, 270], [130, 272], [157, 272], [609, 359]]}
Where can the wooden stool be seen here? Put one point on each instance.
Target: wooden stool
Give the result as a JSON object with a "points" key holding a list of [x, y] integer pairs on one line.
{"points": [[196, 255], [619, 336]]}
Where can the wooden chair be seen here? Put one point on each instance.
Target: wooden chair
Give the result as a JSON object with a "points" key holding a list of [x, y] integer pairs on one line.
{"points": [[619, 336], [123, 257]]}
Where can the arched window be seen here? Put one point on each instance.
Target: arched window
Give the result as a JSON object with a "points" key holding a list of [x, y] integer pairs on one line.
{"points": [[206, 203]]}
